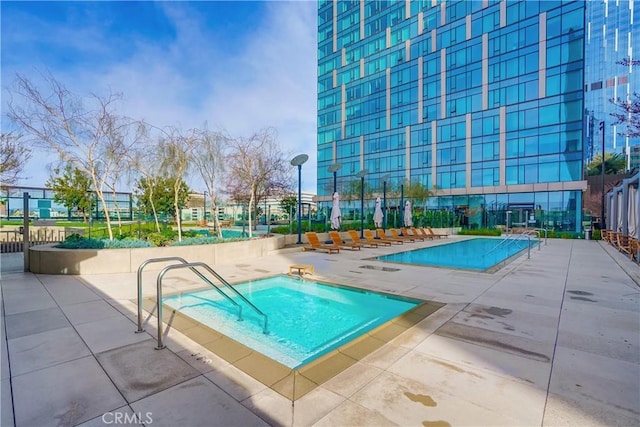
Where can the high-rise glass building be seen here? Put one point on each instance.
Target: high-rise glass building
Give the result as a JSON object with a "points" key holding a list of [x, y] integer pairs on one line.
{"points": [[612, 39], [482, 102]]}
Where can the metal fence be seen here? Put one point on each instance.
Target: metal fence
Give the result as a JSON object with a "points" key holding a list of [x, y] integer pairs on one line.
{"points": [[13, 240]]}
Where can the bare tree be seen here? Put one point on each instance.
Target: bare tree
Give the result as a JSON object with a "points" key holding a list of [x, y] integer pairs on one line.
{"points": [[14, 154], [256, 167], [144, 161], [89, 138], [208, 159], [176, 150]]}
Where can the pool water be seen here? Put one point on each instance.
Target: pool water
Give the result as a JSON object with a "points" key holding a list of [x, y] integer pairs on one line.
{"points": [[307, 319], [473, 254]]}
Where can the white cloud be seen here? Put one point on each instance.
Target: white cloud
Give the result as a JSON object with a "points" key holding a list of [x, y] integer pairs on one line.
{"points": [[269, 80]]}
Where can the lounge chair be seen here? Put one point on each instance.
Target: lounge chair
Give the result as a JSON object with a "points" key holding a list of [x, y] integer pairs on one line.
{"points": [[316, 244], [634, 248], [337, 240], [395, 235], [368, 234], [382, 235], [356, 239], [420, 232], [413, 234], [624, 245], [435, 235]]}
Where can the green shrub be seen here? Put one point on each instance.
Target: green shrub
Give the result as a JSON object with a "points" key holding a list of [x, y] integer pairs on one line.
{"points": [[188, 241], [126, 244], [158, 239], [75, 241], [481, 232]]}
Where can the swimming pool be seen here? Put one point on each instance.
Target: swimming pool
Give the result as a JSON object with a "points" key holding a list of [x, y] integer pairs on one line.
{"points": [[321, 307], [480, 254], [307, 319]]}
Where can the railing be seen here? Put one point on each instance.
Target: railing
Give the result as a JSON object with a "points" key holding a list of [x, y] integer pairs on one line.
{"points": [[184, 262], [512, 238], [12, 241], [191, 266]]}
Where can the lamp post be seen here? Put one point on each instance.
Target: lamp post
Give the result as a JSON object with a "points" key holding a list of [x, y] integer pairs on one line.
{"points": [[298, 161], [204, 211], [602, 221], [385, 178], [361, 175], [334, 168], [401, 197]]}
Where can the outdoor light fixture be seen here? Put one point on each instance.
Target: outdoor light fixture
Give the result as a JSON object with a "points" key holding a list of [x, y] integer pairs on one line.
{"points": [[204, 212], [361, 175], [298, 161], [334, 168], [602, 222], [385, 178]]}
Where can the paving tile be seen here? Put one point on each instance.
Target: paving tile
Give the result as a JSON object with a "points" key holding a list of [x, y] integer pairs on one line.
{"points": [[33, 322], [484, 358], [506, 320], [351, 414], [235, 382], [121, 416], [139, 370], [587, 412], [105, 334], [352, 379], [66, 394], [70, 292], [622, 349], [6, 403], [512, 398], [4, 352], [278, 410], [408, 402], [194, 403], [519, 346], [23, 300], [89, 311], [37, 351], [314, 406], [577, 375]]}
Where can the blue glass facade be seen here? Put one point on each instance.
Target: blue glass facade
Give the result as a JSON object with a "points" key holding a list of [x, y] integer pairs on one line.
{"points": [[480, 101], [611, 36]]}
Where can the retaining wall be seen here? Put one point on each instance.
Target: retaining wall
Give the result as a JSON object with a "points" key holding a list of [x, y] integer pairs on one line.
{"points": [[46, 259]]}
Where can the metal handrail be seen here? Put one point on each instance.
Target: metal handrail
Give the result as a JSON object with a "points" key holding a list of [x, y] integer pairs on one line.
{"points": [[191, 265], [513, 237], [183, 261], [537, 231]]}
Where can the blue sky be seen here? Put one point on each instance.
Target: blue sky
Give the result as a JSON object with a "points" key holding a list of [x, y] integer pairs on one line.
{"points": [[236, 65]]}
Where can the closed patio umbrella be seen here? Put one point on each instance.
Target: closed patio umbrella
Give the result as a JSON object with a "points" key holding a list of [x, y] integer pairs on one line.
{"points": [[408, 217], [335, 212], [377, 214]]}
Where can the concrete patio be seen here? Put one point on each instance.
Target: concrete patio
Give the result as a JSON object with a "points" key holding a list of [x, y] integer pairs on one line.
{"points": [[551, 340]]}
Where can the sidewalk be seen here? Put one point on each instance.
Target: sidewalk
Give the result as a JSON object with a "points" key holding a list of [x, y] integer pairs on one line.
{"points": [[552, 340]]}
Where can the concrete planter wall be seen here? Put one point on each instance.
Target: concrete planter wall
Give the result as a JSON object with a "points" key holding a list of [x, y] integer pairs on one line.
{"points": [[46, 259]]}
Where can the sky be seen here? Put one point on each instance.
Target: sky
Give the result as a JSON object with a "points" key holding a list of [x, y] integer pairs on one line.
{"points": [[238, 66]]}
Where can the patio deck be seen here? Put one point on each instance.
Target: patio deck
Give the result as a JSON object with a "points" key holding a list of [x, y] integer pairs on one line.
{"points": [[551, 340]]}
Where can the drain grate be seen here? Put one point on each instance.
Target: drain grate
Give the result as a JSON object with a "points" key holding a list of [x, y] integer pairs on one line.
{"points": [[375, 267]]}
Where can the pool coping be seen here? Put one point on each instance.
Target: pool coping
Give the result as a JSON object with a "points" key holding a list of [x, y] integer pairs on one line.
{"points": [[293, 383]]}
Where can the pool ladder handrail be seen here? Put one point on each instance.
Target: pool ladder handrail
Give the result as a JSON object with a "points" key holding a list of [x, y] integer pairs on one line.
{"points": [[192, 266], [512, 238], [183, 261]]}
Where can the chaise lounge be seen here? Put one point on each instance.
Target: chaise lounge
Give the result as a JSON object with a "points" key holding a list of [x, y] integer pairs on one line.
{"points": [[337, 240], [316, 244]]}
